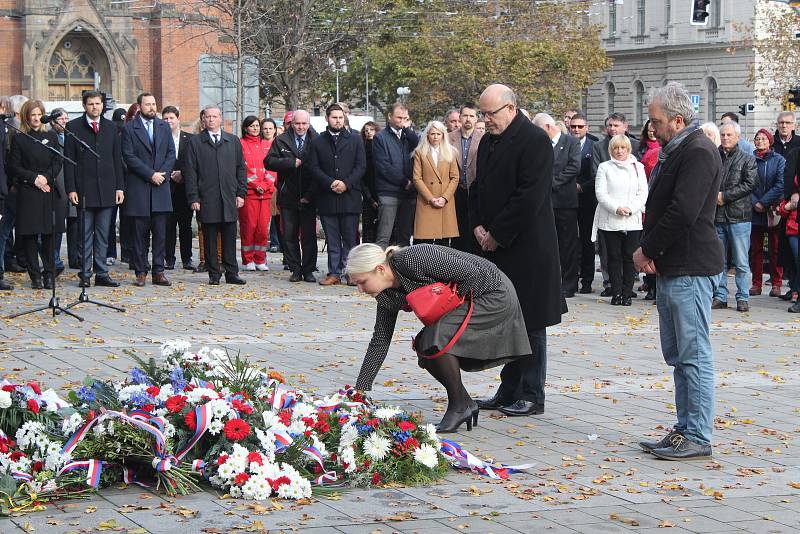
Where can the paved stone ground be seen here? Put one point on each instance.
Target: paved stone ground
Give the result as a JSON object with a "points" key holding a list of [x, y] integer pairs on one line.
{"points": [[607, 388]]}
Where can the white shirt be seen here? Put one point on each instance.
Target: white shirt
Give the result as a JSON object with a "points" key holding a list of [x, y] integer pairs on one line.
{"points": [[89, 121], [556, 139], [216, 139], [177, 140], [435, 156]]}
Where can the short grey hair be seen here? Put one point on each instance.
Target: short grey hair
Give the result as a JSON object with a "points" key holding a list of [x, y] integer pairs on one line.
{"points": [[212, 106], [731, 124], [542, 119], [674, 99], [450, 112], [17, 101], [783, 114]]}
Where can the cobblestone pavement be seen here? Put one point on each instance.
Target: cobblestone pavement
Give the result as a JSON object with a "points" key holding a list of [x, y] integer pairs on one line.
{"points": [[607, 388]]}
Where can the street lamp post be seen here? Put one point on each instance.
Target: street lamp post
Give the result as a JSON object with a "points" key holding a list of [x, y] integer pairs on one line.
{"points": [[403, 92], [340, 66]]}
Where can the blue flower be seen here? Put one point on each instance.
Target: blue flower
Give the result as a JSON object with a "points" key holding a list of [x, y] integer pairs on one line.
{"points": [[140, 398], [178, 381], [86, 394], [401, 437], [365, 429], [139, 377]]}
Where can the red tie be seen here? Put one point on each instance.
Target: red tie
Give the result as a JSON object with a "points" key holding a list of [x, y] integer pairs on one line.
{"points": [[95, 127]]}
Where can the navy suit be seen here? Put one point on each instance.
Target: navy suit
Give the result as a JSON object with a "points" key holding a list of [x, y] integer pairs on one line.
{"points": [[587, 203], [147, 203]]}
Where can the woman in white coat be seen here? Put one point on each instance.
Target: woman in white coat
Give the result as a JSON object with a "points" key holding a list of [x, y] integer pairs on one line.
{"points": [[621, 188]]}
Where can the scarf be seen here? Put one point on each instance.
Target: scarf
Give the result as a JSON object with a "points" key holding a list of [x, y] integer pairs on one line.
{"points": [[669, 149]]}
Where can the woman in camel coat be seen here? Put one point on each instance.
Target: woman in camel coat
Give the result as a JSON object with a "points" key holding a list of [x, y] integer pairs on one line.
{"points": [[436, 179]]}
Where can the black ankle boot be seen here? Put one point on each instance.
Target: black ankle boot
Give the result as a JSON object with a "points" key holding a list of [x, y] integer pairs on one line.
{"points": [[455, 418], [36, 283], [616, 300]]}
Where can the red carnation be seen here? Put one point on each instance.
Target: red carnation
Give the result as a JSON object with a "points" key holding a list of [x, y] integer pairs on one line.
{"points": [[411, 444], [176, 403], [35, 387], [16, 455], [407, 426], [37, 466], [242, 407], [285, 417], [256, 457], [91, 415], [222, 459], [308, 421], [33, 406], [373, 422], [278, 482], [307, 433], [322, 426], [376, 478], [191, 420], [236, 429], [241, 478], [10, 388], [148, 407]]}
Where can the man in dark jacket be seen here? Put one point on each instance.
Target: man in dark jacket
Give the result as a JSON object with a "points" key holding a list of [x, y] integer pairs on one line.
{"points": [[181, 216], [288, 156], [4, 286], [397, 197], [149, 156], [734, 213], [216, 187], [95, 185], [337, 164], [680, 244], [587, 201], [512, 219]]}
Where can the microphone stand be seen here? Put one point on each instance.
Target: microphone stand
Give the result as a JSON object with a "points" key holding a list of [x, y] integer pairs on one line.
{"points": [[84, 297], [53, 304]]}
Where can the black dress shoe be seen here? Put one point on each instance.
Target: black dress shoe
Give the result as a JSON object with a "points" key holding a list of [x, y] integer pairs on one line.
{"points": [[47, 281], [625, 301], [201, 267], [607, 292], [169, 266], [682, 448], [616, 300], [309, 277], [651, 294], [585, 288], [105, 281], [188, 266], [14, 267], [36, 283], [666, 441], [84, 281], [494, 403], [213, 281], [296, 277], [522, 407], [234, 279], [5, 286]]}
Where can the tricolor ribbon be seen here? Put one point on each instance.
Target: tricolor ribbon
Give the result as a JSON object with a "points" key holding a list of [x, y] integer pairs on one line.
{"points": [[330, 476], [462, 459], [94, 468], [199, 466], [203, 420], [282, 439], [21, 476]]}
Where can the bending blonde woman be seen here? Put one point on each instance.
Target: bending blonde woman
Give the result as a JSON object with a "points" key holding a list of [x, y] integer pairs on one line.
{"points": [[436, 179]]}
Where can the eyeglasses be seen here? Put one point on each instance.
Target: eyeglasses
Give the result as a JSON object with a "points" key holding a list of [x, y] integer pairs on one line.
{"points": [[491, 114], [578, 126], [785, 122]]}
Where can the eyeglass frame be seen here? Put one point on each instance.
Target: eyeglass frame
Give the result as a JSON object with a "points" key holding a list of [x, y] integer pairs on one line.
{"points": [[491, 114]]}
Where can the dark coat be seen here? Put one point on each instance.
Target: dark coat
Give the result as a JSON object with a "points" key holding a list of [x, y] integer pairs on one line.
{"points": [[294, 183], [739, 178], [142, 196], [394, 162], [510, 198], [769, 187], [587, 197], [179, 189], [566, 167], [679, 232], [98, 180], [26, 160], [368, 180], [784, 148], [343, 160], [3, 176], [215, 175]]}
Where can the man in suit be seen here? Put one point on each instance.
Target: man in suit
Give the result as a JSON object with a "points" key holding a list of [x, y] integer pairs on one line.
{"points": [[149, 155], [587, 202], [465, 141], [337, 165], [288, 156], [512, 219], [391, 151], [566, 166], [95, 185], [216, 186], [181, 215]]}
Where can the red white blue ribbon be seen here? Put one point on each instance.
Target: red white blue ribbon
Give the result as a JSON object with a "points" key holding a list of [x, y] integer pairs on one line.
{"points": [[203, 419], [462, 459], [94, 468]]}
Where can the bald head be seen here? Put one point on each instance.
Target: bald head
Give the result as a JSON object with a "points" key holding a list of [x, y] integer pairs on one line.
{"points": [[300, 122], [547, 123], [499, 107]]}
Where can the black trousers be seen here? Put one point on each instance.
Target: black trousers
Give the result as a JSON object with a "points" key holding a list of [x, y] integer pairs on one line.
{"points": [[112, 234], [143, 228], [523, 379], [567, 230], [620, 247], [465, 241], [299, 229], [181, 217], [30, 243], [227, 231], [74, 240], [126, 238], [369, 223], [586, 245]]}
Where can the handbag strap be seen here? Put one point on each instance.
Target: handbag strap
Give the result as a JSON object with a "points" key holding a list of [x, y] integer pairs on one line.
{"points": [[457, 335]]}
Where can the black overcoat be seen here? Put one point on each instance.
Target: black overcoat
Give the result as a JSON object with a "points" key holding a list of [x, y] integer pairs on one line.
{"points": [[3, 175], [343, 160], [511, 199], [215, 175], [26, 160], [97, 179], [142, 196], [294, 183]]}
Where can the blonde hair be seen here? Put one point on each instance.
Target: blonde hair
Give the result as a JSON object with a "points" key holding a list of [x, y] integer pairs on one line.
{"points": [[446, 152], [711, 128], [619, 140], [366, 257], [25, 112]]}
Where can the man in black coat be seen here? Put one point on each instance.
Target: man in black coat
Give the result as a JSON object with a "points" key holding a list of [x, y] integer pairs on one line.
{"points": [[288, 156], [216, 186], [512, 219], [149, 155], [337, 165], [680, 244], [4, 286], [587, 201], [94, 185], [181, 215], [566, 166]]}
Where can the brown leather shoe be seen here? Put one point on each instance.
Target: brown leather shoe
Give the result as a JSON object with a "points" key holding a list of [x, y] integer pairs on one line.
{"points": [[718, 305], [140, 280], [160, 280], [775, 292], [755, 290], [330, 280]]}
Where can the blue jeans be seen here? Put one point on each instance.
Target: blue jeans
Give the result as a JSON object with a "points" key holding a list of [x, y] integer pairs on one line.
{"points": [[684, 314], [737, 237], [341, 235]]}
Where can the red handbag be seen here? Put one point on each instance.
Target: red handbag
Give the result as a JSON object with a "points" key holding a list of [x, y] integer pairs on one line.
{"points": [[432, 302]]}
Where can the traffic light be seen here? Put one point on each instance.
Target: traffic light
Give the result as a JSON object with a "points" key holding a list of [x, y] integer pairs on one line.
{"points": [[743, 110], [794, 97], [700, 12]]}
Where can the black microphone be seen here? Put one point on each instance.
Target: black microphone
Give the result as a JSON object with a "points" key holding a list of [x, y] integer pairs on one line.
{"points": [[52, 117]]}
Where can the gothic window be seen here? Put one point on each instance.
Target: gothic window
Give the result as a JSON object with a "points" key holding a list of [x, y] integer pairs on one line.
{"points": [[74, 67]]}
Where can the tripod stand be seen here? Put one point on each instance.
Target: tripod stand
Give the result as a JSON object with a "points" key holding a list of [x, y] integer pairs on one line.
{"points": [[84, 297], [54, 303]]}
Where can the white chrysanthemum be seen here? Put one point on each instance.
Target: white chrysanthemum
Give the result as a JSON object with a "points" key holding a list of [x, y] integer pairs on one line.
{"points": [[385, 413], [169, 429], [267, 442], [175, 347], [270, 419], [71, 424], [347, 457], [196, 395], [297, 427], [235, 492], [225, 471], [376, 446], [348, 436], [426, 455], [5, 399], [127, 392], [28, 434], [215, 427], [220, 408], [431, 431], [165, 392], [303, 409]]}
